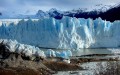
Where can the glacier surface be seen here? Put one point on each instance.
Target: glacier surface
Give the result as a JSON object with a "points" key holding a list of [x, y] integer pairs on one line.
{"points": [[68, 33]]}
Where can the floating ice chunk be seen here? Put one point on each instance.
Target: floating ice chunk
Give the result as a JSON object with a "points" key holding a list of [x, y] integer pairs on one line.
{"points": [[69, 53], [63, 54], [57, 54], [114, 50], [50, 53]]}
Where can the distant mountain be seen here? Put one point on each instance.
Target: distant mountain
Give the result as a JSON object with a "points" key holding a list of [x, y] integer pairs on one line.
{"points": [[111, 14], [106, 12], [41, 13], [55, 13]]}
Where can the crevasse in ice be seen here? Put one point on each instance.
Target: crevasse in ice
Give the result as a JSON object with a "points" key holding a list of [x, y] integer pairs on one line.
{"points": [[69, 33]]}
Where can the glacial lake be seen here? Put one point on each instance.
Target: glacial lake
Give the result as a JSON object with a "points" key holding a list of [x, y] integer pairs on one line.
{"points": [[96, 67]]}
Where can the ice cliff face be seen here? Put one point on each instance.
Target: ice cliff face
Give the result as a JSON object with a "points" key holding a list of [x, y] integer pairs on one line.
{"points": [[65, 33]]}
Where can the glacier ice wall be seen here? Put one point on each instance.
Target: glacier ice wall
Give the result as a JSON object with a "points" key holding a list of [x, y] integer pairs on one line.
{"points": [[65, 33]]}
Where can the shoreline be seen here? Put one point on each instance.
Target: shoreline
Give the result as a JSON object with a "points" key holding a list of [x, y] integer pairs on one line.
{"points": [[19, 66], [12, 63]]}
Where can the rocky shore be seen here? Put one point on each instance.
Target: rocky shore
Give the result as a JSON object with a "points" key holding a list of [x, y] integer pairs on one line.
{"points": [[12, 63]]}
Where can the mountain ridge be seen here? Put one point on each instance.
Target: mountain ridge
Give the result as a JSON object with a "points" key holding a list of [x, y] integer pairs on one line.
{"points": [[106, 12]]}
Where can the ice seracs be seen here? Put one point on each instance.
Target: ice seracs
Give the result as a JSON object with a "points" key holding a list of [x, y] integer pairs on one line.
{"points": [[14, 46], [62, 54], [67, 33], [50, 53], [32, 51]]}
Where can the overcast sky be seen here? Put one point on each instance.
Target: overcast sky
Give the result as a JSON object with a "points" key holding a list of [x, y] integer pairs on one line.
{"points": [[32, 6]]}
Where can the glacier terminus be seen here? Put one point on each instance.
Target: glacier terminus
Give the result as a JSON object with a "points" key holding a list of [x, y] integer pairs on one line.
{"points": [[68, 33]]}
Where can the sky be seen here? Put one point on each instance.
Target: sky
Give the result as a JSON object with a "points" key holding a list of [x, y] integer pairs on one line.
{"points": [[32, 6]]}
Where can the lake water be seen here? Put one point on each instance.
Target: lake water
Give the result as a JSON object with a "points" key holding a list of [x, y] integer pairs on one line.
{"points": [[96, 51], [96, 68]]}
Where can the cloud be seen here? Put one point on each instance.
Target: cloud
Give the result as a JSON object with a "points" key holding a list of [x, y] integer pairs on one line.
{"points": [[21, 6]]}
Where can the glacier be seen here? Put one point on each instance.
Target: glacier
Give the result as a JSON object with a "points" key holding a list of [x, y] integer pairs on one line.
{"points": [[67, 33], [31, 51], [27, 50]]}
